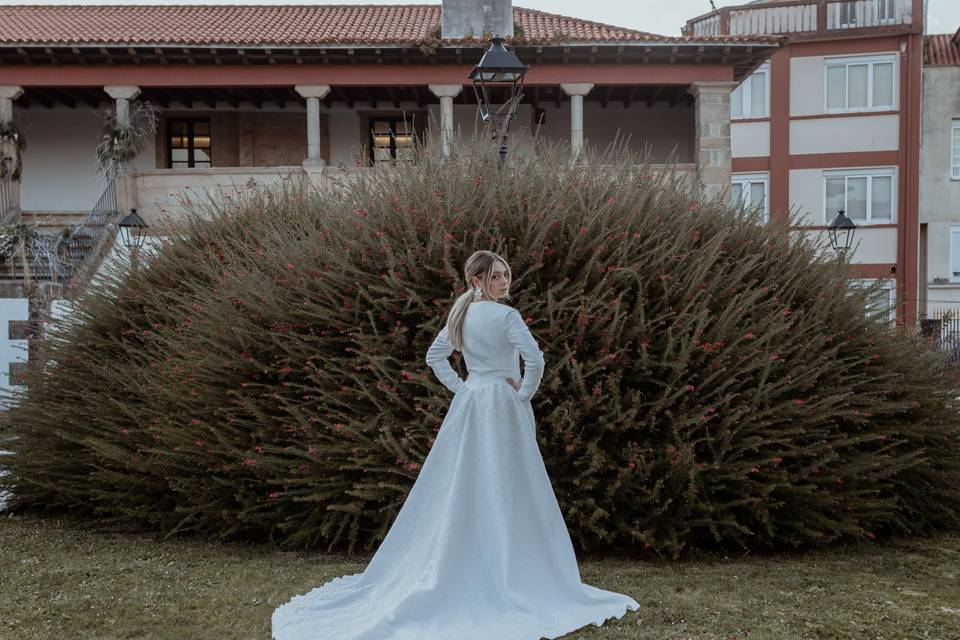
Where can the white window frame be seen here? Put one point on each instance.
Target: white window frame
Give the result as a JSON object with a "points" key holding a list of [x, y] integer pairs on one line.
{"points": [[870, 61], [746, 92], [745, 180], [954, 158], [889, 285], [871, 172], [886, 6], [954, 251]]}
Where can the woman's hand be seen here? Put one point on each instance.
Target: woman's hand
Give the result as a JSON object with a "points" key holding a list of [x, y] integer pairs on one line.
{"points": [[515, 385]]}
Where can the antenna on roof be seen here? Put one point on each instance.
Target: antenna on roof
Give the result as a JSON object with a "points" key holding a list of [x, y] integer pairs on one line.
{"points": [[712, 5]]}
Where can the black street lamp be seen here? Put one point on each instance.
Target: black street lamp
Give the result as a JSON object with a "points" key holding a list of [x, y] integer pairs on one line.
{"points": [[498, 67], [841, 232], [131, 230]]}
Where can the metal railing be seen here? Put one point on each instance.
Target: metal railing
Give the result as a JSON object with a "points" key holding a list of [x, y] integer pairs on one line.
{"points": [[57, 258], [802, 16], [943, 334], [6, 195]]}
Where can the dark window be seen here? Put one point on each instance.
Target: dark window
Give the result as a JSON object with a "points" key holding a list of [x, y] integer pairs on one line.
{"points": [[391, 139], [188, 143]]}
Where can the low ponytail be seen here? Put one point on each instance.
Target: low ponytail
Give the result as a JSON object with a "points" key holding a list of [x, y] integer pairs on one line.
{"points": [[479, 264]]}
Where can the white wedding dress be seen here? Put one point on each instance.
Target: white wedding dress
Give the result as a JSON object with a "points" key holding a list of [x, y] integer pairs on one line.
{"points": [[479, 550]]}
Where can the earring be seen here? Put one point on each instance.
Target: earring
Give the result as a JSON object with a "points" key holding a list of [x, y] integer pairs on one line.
{"points": [[477, 293]]}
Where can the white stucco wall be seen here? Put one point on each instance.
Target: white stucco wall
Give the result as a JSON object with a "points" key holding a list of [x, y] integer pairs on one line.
{"points": [[749, 139], [845, 134], [871, 246], [59, 163], [11, 350], [939, 194], [807, 88]]}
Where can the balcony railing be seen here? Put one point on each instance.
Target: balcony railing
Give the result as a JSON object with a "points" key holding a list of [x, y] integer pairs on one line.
{"points": [[802, 16]]}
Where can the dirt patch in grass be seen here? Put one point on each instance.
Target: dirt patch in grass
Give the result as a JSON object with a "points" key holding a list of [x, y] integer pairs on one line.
{"points": [[60, 582]]}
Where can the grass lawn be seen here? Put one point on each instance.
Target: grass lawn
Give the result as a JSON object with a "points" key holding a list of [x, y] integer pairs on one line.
{"points": [[60, 582]]}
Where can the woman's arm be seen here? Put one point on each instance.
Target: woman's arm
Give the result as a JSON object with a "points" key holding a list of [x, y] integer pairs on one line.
{"points": [[437, 359], [520, 337]]}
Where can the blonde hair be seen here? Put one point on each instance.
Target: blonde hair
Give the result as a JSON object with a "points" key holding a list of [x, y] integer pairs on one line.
{"points": [[480, 264]]}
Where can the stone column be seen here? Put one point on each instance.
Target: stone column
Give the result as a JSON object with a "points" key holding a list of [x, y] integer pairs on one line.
{"points": [[8, 94], [122, 94], [314, 93], [712, 136], [576, 91], [446, 93]]}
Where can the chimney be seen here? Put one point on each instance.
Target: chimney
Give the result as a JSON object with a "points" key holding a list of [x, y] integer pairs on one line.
{"points": [[474, 18]]}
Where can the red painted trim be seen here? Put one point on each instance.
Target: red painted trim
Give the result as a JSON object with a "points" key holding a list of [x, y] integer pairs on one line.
{"points": [[884, 44], [780, 132], [739, 120], [873, 270], [750, 164], [845, 159], [349, 75], [908, 250], [858, 114], [823, 227]]}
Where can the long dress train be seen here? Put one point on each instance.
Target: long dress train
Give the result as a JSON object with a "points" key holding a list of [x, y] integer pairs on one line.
{"points": [[479, 550]]}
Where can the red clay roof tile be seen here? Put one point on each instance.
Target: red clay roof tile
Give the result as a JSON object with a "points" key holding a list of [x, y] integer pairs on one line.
{"points": [[941, 49], [284, 25]]}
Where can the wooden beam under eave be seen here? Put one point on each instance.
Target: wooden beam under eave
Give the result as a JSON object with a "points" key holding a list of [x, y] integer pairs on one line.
{"points": [[162, 55], [646, 55], [79, 56], [187, 52], [230, 99], [606, 96], [26, 56], [209, 99], [43, 99], [216, 56], [369, 98], [51, 54], [106, 54], [342, 96], [243, 56], [653, 98], [418, 96], [134, 56], [393, 97], [593, 55], [297, 56], [699, 58], [50, 97], [725, 56], [89, 97]]}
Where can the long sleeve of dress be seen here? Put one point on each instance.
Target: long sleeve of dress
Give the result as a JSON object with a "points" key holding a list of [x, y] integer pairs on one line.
{"points": [[438, 359], [520, 337]]}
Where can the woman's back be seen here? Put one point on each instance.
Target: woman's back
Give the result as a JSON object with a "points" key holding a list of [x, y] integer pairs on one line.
{"points": [[493, 335]]}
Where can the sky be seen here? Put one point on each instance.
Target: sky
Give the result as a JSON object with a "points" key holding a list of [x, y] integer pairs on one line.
{"points": [[658, 16]]}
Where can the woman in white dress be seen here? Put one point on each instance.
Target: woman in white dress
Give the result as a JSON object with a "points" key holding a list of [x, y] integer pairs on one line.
{"points": [[479, 550]]}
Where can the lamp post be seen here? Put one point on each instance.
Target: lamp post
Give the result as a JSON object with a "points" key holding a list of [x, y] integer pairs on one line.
{"points": [[498, 67], [131, 230], [841, 232]]}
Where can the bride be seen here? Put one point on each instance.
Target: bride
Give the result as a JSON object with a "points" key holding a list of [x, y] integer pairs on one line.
{"points": [[479, 550]]}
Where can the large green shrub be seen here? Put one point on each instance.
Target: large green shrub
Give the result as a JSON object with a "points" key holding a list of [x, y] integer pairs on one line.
{"points": [[709, 383]]}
